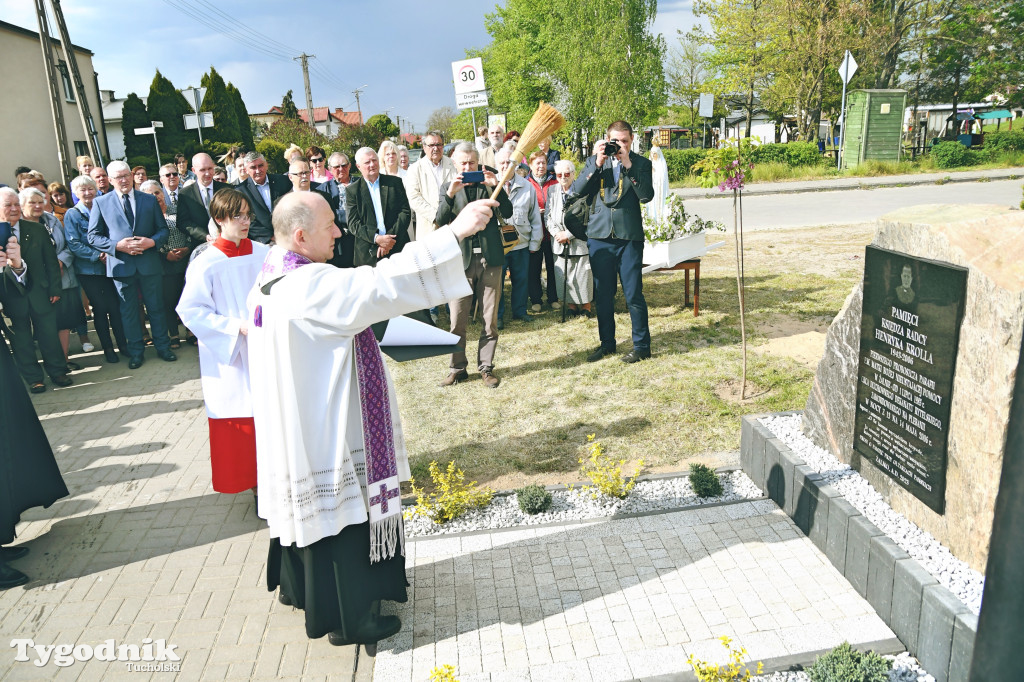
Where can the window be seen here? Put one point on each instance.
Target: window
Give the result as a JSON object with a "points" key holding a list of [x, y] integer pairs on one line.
{"points": [[69, 90], [81, 148]]}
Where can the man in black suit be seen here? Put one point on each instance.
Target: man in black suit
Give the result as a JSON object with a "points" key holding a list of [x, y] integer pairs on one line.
{"points": [[194, 199], [340, 166], [378, 211], [261, 190], [617, 184], [29, 286]]}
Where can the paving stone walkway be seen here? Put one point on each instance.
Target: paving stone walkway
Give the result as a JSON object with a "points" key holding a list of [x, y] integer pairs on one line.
{"points": [[143, 549]]}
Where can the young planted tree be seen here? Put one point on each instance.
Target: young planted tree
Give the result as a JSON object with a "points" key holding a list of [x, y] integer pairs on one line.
{"points": [[288, 107]]}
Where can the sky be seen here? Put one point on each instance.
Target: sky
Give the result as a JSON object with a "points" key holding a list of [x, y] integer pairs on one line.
{"points": [[398, 52]]}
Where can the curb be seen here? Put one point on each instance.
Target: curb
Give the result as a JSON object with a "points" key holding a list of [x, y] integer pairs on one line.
{"points": [[930, 620], [867, 183]]}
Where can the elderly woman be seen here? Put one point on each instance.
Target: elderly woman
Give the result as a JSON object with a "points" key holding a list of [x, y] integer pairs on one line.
{"points": [[573, 277], [91, 269], [174, 255], [70, 314], [317, 159], [213, 306], [60, 199], [388, 155], [403, 157]]}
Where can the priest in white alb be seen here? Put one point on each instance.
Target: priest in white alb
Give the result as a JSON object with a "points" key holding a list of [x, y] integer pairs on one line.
{"points": [[330, 451], [213, 307]]}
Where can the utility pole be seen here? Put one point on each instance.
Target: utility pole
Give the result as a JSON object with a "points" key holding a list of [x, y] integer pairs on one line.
{"points": [[84, 113], [359, 108], [56, 107], [309, 94]]}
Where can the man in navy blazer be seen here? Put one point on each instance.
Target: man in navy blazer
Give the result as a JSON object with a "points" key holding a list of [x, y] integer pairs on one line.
{"points": [[129, 227], [377, 210]]}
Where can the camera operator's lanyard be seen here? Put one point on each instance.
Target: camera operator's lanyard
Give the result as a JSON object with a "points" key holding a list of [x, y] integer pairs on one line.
{"points": [[618, 195]]}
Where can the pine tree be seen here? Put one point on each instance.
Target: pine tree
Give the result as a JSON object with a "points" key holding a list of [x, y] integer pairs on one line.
{"points": [[242, 116], [219, 103], [288, 107], [133, 115], [167, 105]]}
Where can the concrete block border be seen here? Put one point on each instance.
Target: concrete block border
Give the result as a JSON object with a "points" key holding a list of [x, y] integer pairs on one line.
{"points": [[930, 620]]}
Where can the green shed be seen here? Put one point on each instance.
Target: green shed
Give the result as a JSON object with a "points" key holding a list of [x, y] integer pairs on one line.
{"points": [[874, 126]]}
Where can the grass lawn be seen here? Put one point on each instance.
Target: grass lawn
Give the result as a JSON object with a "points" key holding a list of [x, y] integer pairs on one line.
{"points": [[670, 410]]}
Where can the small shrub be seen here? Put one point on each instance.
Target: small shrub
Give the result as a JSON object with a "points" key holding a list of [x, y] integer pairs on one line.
{"points": [[1005, 141], [148, 161], [770, 153], [953, 155], [733, 671], [533, 499], [452, 496], [605, 473], [704, 480], [804, 154], [443, 673], [680, 162], [846, 664]]}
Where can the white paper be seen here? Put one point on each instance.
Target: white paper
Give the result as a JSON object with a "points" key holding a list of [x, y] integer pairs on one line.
{"points": [[405, 331]]}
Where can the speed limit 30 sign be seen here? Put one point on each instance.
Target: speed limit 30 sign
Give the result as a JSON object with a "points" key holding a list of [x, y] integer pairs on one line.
{"points": [[468, 75]]}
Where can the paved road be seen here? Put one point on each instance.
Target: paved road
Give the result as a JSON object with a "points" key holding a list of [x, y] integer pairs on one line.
{"points": [[851, 206]]}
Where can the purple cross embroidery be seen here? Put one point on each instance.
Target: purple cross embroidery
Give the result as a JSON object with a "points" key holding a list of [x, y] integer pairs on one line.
{"points": [[383, 498]]}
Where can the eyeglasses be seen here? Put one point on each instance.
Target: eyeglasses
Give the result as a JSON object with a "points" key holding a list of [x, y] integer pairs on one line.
{"points": [[121, 177], [169, 175], [437, 144], [318, 159], [243, 218], [304, 174], [563, 175]]}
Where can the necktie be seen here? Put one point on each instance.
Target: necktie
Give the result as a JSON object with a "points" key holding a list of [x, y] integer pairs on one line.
{"points": [[174, 198], [128, 210], [207, 197]]}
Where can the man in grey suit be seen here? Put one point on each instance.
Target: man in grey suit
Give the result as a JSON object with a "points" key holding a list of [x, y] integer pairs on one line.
{"points": [[261, 190], [130, 228], [617, 184]]}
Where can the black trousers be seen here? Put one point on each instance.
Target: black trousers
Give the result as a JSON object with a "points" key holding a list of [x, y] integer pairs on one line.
{"points": [[545, 255], [106, 310], [174, 283], [42, 326]]}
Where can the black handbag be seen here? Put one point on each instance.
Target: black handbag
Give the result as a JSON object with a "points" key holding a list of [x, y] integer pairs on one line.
{"points": [[576, 215]]}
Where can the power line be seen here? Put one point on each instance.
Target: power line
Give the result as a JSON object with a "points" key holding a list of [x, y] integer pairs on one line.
{"points": [[218, 28]]}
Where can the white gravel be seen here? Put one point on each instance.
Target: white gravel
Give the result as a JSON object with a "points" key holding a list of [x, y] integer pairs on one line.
{"points": [[905, 668], [577, 504], [961, 579]]}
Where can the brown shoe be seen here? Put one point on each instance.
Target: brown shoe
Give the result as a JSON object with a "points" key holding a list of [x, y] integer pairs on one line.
{"points": [[454, 377], [490, 381]]}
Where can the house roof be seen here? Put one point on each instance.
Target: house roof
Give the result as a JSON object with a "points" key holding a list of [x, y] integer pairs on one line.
{"points": [[349, 118], [26, 32], [321, 115]]}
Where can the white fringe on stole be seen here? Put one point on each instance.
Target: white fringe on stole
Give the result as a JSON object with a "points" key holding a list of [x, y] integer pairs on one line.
{"points": [[385, 536]]}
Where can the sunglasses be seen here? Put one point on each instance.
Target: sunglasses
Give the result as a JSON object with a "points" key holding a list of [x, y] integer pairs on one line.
{"points": [[169, 175], [563, 175], [318, 159], [339, 167]]}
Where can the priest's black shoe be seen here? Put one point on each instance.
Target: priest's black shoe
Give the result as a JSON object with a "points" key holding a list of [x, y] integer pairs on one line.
{"points": [[636, 356], [12, 577], [166, 356], [285, 599], [135, 363], [111, 356], [599, 353], [13, 553]]}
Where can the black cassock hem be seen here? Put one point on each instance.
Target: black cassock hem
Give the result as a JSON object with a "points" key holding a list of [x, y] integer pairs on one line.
{"points": [[333, 581]]}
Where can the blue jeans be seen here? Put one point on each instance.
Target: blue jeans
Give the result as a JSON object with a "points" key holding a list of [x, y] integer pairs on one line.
{"points": [[622, 259], [517, 263]]}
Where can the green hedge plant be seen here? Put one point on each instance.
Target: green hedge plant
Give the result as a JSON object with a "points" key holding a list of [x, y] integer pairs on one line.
{"points": [[846, 664], [704, 480], [533, 499]]}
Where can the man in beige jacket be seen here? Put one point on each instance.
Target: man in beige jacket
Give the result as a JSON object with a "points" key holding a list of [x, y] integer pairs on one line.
{"points": [[423, 182]]}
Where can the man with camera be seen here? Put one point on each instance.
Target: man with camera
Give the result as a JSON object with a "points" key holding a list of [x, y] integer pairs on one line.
{"points": [[483, 254], [617, 181]]}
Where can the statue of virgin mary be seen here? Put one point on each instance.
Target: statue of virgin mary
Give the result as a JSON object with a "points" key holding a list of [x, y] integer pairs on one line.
{"points": [[656, 207]]}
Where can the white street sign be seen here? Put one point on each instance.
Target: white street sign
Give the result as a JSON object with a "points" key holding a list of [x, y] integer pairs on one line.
{"points": [[191, 120], [707, 105], [847, 68], [468, 100], [192, 99], [145, 131], [468, 75]]}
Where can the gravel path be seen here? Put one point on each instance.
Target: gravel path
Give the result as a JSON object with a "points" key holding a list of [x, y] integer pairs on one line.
{"points": [[577, 505], [905, 668], [961, 579]]}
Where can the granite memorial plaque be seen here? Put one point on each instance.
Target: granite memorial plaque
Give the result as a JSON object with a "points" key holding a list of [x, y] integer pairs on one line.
{"points": [[910, 330]]}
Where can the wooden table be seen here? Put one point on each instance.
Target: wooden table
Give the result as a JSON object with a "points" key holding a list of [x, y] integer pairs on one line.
{"points": [[688, 266]]}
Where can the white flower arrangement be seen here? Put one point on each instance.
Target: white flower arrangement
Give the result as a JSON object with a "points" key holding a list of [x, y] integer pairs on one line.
{"points": [[675, 222]]}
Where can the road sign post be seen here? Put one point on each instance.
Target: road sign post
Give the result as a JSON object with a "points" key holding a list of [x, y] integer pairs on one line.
{"points": [[153, 125], [846, 71], [470, 90], [194, 96]]}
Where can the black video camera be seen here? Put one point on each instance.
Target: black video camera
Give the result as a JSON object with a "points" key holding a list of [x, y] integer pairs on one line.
{"points": [[611, 148]]}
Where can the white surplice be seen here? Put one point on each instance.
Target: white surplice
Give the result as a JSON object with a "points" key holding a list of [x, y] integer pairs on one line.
{"points": [[309, 434], [213, 307]]}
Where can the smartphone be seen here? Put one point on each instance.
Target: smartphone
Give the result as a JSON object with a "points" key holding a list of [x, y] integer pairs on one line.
{"points": [[5, 234], [472, 177]]}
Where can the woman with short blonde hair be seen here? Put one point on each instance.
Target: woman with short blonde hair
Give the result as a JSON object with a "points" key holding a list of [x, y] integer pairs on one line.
{"points": [[388, 155]]}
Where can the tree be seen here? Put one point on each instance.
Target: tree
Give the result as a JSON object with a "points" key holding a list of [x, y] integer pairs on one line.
{"points": [[442, 120], [288, 107], [167, 105], [134, 115], [242, 117], [350, 138], [689, 73], [384, 124], [289, 131], [219, 103]]}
